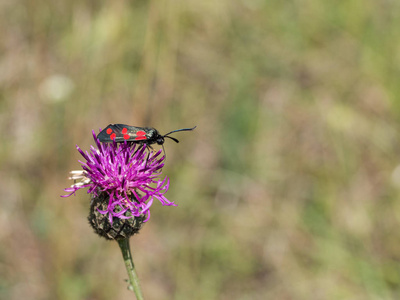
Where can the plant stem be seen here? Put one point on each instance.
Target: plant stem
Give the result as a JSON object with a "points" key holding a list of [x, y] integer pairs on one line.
{"points": [[130, 267]]}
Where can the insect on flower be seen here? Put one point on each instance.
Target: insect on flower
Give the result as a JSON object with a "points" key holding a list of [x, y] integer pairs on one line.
{"points": [[123, 177], [141, 135]]}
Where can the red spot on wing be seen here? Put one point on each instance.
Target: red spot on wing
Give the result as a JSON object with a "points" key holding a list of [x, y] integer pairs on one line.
{"points": [[109, 130], [112, 136], [126, 136], [141, 137], [124, 131]]}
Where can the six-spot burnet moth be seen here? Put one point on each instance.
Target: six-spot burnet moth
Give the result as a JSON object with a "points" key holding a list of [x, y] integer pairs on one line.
{"points": [[142, 135]]}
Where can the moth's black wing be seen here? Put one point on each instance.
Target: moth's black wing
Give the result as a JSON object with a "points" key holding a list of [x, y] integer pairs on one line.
{"points": [[122, 132], [112, 132]]}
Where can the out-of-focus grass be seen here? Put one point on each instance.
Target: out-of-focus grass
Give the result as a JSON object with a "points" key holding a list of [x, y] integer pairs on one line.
{"points": [[288, 188]]}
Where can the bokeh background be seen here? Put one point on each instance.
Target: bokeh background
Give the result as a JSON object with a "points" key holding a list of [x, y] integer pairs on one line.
{"points": [[287, 189]]}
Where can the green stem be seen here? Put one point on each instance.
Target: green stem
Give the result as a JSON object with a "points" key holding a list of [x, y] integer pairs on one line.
{"points": [[130, 267]]}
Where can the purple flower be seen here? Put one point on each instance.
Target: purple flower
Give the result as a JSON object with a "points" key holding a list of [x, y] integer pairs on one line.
{"points": [[127, 173]]}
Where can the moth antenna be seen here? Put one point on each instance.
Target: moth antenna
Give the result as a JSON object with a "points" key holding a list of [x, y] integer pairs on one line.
{"points": [[172, 138], [183, 129]]}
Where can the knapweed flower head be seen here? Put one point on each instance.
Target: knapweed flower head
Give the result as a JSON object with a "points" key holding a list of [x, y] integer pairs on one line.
{"points": [[122, 178]]}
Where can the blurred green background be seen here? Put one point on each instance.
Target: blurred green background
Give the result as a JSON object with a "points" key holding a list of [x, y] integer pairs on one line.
{"points": [[287, 189]]}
